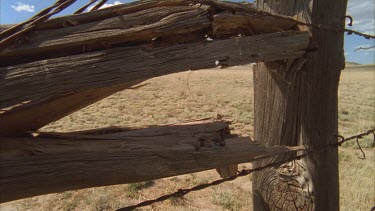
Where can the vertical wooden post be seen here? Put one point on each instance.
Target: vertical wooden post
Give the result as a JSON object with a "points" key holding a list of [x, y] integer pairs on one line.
{"points": [[295, 105]]}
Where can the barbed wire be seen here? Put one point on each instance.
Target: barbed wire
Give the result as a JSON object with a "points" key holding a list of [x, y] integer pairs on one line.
{"points": [[367, 36], [183, 191], [364, 48], [327, 28]]}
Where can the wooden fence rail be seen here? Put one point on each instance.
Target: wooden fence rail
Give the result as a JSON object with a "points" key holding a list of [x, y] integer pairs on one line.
{"points": [[60, 162]]}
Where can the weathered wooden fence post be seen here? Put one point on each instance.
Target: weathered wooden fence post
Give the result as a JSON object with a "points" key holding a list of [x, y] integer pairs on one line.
{"points": [[298, 105]]}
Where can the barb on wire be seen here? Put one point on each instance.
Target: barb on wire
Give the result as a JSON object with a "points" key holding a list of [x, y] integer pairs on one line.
{"points": [[367, 36], [360, 148], [350, 20], [355, 136], [336, 29], [245, 172], [349, 31]]}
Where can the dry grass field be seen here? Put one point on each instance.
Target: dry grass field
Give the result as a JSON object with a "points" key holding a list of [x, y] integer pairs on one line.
{"points": [[193, 95]]}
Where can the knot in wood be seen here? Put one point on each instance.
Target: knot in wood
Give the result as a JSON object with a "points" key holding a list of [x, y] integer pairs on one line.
{"points": [[288, 188]]}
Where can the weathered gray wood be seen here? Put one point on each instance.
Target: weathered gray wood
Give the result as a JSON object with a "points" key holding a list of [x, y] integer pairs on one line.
{"points": [[320, 120], [140, 22], [297, 105], [36, 166], [227, 23], [109, 12], [144, 25], [38, 80], [157, 23], [123, 9], [277, 121]]}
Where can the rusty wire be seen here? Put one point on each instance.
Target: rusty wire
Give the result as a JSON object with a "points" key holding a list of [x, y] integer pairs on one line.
{"points": [[245, 172]]}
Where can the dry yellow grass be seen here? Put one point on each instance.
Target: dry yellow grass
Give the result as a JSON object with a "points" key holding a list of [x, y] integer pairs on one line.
{"points": [[206, 93]]}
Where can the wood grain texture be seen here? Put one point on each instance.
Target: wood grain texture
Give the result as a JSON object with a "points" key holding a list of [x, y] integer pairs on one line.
{"points": [[320, 120], [248, 24], [140, 22], [38, 166], [133, 7], [38, 80], [278, 111], [298, 106], [140, 26], [109, 12]]}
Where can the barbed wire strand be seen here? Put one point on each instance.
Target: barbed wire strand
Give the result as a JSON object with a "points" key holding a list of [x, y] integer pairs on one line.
{"points": [[364, 48], [327, 28], [182, 192]]}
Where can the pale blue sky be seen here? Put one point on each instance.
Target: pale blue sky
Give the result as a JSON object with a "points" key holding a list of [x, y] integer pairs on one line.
{"points": [[15, 11]]}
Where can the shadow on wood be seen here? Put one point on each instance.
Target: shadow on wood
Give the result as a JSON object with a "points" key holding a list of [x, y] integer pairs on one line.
{"points": [[59, 162]]}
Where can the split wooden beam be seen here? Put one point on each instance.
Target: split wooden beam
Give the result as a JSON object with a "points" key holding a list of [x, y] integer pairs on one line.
{"points": [[141, 22], [57, 162], [53, 77]]}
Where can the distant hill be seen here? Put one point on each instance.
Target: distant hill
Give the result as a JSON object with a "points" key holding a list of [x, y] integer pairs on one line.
{"points": [[352, 63], [359, 67]]}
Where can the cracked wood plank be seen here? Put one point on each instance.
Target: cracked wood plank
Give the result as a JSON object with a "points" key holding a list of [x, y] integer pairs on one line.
{"points": [[142, 26], [53, 77], [141, 22], [36, 166]]}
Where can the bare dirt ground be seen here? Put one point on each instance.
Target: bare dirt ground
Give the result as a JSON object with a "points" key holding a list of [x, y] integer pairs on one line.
{"points": [[193, 95]]}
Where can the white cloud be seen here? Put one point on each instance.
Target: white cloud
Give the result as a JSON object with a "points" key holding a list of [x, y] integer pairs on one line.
{"points": [[363, 14], [105, 5], [22, 7]]}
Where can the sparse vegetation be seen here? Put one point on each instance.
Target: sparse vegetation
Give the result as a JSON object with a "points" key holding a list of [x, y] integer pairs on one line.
{"points": [[167, 100], [357, 180], [135, 187], [227, 201]]}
